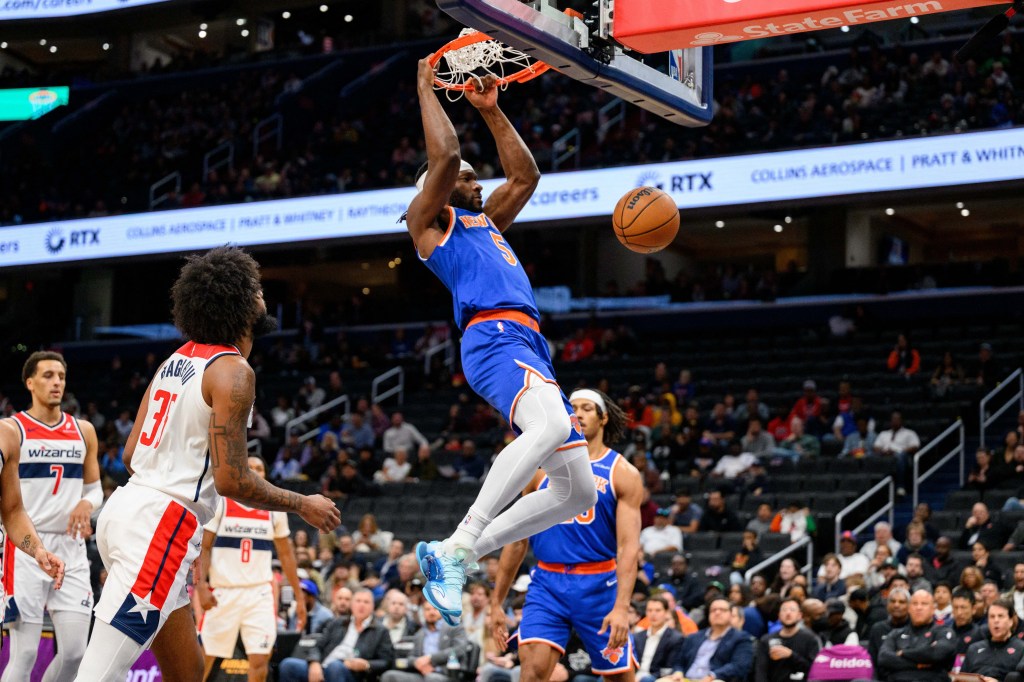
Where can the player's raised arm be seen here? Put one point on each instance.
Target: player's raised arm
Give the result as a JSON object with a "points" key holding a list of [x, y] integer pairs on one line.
{"points": [[518, 164], [12, 511], [80, 520], [443, 162], [629, 491], [230, 384]]}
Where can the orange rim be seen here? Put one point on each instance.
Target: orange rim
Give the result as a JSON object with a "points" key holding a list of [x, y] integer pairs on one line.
{"points": [[527, 73]]}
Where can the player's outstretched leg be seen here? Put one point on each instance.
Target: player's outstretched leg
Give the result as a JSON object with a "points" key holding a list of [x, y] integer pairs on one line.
{"points": [[543, 419]]}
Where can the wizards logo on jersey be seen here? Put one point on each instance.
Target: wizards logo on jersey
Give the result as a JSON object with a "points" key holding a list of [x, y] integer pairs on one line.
{"points": [[152, 587]]}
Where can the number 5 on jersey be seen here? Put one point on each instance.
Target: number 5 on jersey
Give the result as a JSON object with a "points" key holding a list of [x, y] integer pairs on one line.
{"points": [[156, 432], [502, 245]]}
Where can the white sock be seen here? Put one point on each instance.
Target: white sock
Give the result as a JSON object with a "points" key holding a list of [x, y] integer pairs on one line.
{"points": [[24, 638], [110, 654], [71, 631], [541, 416]]}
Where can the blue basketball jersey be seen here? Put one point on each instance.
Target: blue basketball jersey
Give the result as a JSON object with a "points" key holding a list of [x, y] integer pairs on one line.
{"points": [[480, 269], [590, 536]]}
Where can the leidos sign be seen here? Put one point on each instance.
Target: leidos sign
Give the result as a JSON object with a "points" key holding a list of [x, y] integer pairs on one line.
{"points": [[660, 26]]}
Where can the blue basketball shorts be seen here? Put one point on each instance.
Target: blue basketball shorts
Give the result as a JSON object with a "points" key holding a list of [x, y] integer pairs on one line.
{"points": [[501, 358], [558, 602]]}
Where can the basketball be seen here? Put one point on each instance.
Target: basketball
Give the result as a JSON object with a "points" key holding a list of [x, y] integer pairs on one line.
{"points": [[646, 219]]}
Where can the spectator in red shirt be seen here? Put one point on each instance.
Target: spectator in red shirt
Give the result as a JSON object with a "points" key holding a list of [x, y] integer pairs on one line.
{"points": [[904, 358], [638, 413], [579, 347], [648, 509], [808, 408]]}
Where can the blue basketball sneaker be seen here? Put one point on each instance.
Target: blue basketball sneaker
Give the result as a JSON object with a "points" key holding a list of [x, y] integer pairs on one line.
{"points": [[446, 576]]}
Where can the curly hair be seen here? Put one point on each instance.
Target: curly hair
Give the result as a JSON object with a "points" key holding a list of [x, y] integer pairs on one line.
{"points": [[214, 298], [615, 429]]}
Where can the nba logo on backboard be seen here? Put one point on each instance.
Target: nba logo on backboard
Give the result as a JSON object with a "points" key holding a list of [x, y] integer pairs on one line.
{"points": [[675, 65]]}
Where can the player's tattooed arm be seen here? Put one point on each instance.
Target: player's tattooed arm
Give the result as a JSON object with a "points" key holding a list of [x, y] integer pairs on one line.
{"points": [[231, 385], [229, 454]]}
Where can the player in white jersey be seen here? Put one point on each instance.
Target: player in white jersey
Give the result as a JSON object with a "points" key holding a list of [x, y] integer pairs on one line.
{"points": [[187, 446], [17, 523], [238, 592], [60, 486]]}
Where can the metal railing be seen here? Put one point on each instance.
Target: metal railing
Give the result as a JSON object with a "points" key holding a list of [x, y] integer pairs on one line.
{"points": [[270, 128], [780, 555], [255, 446], [609, 119], [889, 507], [156, 199], [986, 421], [217, 158], [958, 450], [377, 396], [566, 147], [448, 348], [316, 412]]}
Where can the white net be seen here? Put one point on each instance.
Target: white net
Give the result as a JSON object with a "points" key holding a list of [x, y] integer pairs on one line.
{"points": [[461, 67]]}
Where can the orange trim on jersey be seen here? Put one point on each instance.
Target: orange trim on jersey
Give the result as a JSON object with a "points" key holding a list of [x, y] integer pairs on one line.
{"points": [[538, 640], [204, 350], [590, 568], [451, 226], [570, 446], [237, 511], [506, 315], [33, 429], [166, 551]]}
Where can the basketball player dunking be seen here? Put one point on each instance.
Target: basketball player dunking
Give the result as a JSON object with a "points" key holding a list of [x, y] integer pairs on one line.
{"points": [[60, 484], [587, 565], [17, 523], [188, 444], [236, 581], [504, 357]]}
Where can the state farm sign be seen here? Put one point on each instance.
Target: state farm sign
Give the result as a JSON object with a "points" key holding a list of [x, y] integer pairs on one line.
{"points": [[648, 26]]}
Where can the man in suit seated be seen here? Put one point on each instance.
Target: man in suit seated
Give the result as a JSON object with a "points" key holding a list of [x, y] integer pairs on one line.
{"points": [[658, 645], [718, 652], [432, 645], [349, 649]]}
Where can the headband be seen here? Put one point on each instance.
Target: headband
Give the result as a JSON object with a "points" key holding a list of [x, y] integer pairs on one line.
{"points": [[463, 167], [592, 396]]}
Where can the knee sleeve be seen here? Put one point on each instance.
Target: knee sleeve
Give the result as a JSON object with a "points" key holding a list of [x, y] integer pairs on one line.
{"points": [[540, 414], [24, 643], [571, 480], [72, 633]]}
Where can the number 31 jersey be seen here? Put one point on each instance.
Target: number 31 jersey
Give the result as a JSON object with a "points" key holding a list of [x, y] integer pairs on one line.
{"points": [[50, 469], [173, 451]]}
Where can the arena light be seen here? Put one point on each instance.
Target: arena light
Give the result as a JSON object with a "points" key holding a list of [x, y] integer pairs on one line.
{"points": [[240, 21], [286, 15], [366, 291], [845, 29], [719, 224], [202, 34], [965, 212], [890, 211], [398, 260], [789, 220], [777, 228], [53, 49], [349, 18], [914, 20], [323, 8], [42, 42], [959, 204], [245, 33], [203, 26], [3, 45], [106, 46]]}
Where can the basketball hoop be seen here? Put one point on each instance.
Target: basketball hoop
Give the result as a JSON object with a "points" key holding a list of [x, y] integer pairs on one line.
{"points": [[460, 64]]}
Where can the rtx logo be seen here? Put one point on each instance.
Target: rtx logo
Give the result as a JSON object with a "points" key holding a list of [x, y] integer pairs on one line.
{"points": [[56, 241], [692, 182]]}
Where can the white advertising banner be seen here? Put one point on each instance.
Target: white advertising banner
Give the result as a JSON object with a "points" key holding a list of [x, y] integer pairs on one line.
{"points": [[11, 10], [907, 164]]}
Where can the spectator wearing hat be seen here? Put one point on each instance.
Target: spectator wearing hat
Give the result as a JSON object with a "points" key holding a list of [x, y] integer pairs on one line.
{"points": [[658, 645], [853, 562], [317, 615], [716, 517], [662, 536]]}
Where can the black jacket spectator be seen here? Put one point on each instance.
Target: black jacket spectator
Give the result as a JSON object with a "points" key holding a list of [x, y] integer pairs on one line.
{"points": [[917, 654], [689, 591], [717, 518], [668, 649], [373, 644]]}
